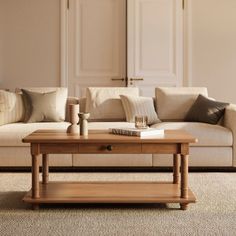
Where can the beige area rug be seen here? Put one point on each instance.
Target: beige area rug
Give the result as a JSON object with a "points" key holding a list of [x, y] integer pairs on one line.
{"points": [[213, 214]]}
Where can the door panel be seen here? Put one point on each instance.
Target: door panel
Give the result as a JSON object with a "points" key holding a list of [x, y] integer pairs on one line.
{"points": [[98, 49], [155, 44], [96, 44]]}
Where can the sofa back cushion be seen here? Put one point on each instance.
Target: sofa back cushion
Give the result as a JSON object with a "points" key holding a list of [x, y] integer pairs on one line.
{"points": [[11, 107], [105, 103], [174, 103], [82, 104]]}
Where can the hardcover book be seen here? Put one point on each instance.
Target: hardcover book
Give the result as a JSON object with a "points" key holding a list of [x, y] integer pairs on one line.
{"points": [[137, 132]]}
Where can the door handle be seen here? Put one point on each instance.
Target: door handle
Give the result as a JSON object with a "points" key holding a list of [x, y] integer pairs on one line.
{"points": [[126, 80], [115, 79], [136, 79]]}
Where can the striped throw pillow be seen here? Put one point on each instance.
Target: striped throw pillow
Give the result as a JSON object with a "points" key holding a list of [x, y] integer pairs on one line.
{"points": [[11, 107], [6, 100], [134, 105]]}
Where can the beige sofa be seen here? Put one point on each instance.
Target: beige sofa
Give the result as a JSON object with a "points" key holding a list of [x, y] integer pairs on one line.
{"points": [[216, 146]]}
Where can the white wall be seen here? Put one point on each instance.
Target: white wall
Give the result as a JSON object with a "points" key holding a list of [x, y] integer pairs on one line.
{"points": [[29, 43], [213, 39]]}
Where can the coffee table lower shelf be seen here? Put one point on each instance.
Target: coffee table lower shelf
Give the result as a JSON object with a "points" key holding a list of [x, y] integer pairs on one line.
{"points": [[109, 192]]}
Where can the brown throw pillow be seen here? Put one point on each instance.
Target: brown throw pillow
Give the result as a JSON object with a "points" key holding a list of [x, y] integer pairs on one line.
{"points": [[40, 106], [206, 110]]}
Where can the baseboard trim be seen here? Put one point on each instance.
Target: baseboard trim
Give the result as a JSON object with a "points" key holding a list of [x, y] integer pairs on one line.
{"points": [[119, 169]]}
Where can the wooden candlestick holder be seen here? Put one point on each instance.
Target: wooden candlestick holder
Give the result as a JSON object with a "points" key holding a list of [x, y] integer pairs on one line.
{"points": [[74, 119]]}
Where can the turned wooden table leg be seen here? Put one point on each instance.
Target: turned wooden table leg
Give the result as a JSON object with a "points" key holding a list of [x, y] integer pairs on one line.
{"points": [[176, 167], [184, 180], [45, 169], [35, 178]]}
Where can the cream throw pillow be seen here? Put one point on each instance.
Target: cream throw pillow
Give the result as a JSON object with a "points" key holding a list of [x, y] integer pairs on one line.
{"points": [[11, 107], [41, 106], [139, 106], [61, 99], [7, 100], [105, 103]]}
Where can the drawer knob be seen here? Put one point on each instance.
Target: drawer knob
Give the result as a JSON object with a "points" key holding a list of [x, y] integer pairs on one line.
{"points": [[109, 148]]}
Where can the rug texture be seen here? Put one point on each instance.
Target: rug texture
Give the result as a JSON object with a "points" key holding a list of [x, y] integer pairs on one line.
{"points": [[213, 214]]}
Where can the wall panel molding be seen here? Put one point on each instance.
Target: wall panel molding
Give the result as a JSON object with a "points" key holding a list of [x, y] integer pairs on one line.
{"points": [[64, 44]]}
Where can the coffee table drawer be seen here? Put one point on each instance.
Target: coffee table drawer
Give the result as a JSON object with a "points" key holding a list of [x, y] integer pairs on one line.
{"points": [[110, 148]]}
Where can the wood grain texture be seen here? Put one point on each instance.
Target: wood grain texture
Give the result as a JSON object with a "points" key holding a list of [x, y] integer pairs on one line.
{"points": [[45, 142], [56, 148], [184, 148], [55, 136], [176, 168], [184, 176], [45, 169], [35, 176], [35, 149], [160, 148], [110, 192], [110, 148]]}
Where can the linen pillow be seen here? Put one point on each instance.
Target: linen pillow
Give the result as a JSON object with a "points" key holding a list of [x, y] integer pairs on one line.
{"points": [[7, 100], [11, 107], [139, 106], [61, 99], [42, 106], [206, 110], [105, 103]]}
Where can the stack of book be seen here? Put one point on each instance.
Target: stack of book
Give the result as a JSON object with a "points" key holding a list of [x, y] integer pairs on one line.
{"points": [[137, 132]]}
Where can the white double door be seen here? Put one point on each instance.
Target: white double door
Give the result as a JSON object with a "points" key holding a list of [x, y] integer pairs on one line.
{"points": [[118, 43]]}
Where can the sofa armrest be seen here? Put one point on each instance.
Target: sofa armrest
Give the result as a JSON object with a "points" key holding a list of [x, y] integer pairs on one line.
{"points": [[230, 122]]}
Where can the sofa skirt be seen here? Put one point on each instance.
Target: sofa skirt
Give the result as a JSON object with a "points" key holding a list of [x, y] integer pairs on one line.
{"points": [[21, 157]]}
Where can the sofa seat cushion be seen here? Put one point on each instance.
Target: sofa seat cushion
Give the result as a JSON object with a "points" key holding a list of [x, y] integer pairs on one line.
{"points": [[207, 134], [12, 134]]}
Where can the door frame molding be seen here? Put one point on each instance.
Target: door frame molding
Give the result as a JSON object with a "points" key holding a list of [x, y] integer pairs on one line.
{"points": [[64, 43], [187, 44]]}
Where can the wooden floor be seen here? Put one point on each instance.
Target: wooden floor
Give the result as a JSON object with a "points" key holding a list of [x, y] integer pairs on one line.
{"points": [[110, 192]]}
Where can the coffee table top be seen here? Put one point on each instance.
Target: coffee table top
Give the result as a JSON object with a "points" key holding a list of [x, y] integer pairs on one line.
{"points": [[102, 136]]}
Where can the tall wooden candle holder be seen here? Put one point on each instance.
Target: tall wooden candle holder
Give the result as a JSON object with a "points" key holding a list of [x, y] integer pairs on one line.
{"points": [[83, 122], [74, 119]]}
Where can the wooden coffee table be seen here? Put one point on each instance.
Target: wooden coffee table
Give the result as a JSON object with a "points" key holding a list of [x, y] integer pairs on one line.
{"points": [[47, 142]]}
